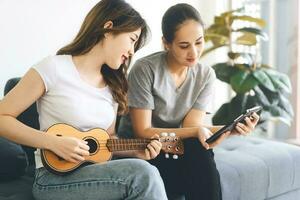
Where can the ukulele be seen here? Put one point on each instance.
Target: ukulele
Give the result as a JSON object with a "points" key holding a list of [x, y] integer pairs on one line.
{"points": [[101, 147]]}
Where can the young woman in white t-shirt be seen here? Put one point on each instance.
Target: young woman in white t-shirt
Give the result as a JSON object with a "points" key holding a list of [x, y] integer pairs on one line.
{"points": [[85, 86]]}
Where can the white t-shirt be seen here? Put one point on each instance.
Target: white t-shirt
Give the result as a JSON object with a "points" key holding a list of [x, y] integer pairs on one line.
{"points": [[68, 99]]}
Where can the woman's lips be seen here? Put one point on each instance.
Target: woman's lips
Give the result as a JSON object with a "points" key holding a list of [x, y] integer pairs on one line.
{"points": [[191, 60]]}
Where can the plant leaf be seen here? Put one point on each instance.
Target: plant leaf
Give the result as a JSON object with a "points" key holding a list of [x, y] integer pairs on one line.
{"points": [[281, 81], [224, 71], [281, 114], [255, 31], [264, 79], [274, 105], [220, 20], [218, 29], [242, 66], [248, 39], [248, 57], [229, 111], [261, 97], [265, 66], [242, 82], [273, 97], [285, 105], [216, 39]]}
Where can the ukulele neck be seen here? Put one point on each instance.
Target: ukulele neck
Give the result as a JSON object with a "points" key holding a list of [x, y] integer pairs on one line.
{"points": [[127, 144]]}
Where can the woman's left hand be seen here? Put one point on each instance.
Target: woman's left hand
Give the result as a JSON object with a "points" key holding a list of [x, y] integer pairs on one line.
{"points": [[152, 150], [245, 129]]}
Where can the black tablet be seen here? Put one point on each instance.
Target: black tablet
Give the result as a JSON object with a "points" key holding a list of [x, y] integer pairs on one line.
{"points": [[231, 126]]}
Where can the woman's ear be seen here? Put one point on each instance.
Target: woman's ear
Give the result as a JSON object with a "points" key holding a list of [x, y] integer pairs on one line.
{"points": [[108, 25], [165, 44]]}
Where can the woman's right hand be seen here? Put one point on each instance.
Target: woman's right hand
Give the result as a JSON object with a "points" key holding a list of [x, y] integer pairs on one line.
{"points": [[204, 133], [69, 148]]}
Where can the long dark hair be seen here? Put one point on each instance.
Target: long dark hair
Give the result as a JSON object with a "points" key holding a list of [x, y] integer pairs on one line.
{"points": [[125, 19], [175, 16]]}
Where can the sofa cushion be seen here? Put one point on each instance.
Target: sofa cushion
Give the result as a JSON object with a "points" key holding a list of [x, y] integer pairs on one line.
{"points": [[18, 189], [254, 168], [13, 160]]}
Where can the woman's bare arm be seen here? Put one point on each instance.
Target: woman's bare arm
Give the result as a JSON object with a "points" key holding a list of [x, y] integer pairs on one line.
{"points": [[141, 122], [25, 93], [195, 118]]}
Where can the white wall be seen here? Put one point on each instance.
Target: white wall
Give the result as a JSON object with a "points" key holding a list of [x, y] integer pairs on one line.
{"points": [[33, 29]]}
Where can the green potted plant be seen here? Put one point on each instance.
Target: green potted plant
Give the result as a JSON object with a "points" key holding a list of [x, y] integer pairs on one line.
{"points": [[254, 83]]}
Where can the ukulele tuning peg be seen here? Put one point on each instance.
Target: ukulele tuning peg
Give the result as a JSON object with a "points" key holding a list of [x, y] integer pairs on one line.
{"points": [[175, 156], [164, 134], [167, 155], [172, 134]]}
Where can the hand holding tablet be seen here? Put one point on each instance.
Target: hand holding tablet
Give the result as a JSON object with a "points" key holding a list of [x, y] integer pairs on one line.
{"points": [[230, 127]]}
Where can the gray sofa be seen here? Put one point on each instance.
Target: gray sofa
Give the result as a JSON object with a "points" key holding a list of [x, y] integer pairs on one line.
{"points": [[250, 168], [256, 169]]}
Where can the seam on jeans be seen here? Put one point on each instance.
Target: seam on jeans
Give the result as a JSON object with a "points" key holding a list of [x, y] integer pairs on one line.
{"points": [[81, 183], [119, 181]]}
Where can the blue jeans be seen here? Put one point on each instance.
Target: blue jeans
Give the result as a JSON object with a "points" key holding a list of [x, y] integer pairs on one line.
{"points": [[117, 179]]}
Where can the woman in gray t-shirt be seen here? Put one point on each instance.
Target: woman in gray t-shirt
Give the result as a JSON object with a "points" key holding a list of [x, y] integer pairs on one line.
{"points": [[170, 91]]}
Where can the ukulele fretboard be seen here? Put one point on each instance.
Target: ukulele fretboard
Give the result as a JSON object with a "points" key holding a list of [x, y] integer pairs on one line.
{"points": [[127, 144]]}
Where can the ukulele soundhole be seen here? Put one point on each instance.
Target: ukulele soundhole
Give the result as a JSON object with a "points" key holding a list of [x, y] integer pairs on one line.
{"points": [[93, 145]]}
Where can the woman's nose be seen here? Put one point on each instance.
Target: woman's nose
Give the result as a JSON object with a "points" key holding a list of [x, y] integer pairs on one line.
{"points": [[131, 50], [193, 51]]}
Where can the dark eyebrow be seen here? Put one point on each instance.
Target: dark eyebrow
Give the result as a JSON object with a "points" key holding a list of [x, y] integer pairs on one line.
{"points": [[199, 38], [188, 43]]}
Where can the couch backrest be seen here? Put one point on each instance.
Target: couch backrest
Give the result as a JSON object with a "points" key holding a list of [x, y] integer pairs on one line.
{"points": [[28, 117]]}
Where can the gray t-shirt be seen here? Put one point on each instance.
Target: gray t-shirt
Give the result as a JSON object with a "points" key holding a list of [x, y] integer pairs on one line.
{"points": [[152, 87]]}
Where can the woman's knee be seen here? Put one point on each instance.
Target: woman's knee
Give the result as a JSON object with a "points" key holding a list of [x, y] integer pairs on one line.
{"points": [[147, 182], [143, 168]]}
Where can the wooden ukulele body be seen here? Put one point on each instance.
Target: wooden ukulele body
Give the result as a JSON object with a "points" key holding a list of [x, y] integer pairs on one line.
{"points": [[96, 138]]}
